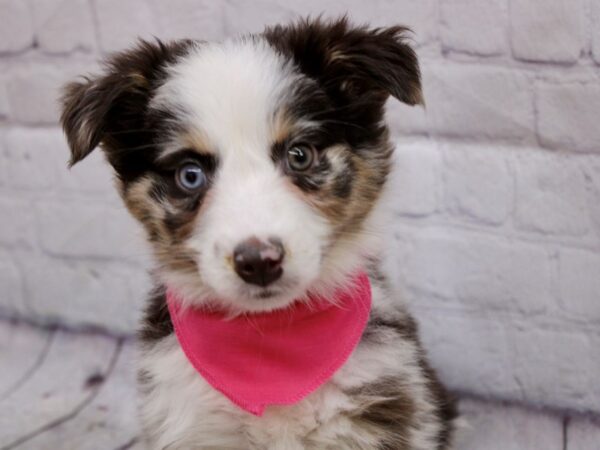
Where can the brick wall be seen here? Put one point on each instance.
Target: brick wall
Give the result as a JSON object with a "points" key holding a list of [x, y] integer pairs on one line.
{"points": [[496, 231]]}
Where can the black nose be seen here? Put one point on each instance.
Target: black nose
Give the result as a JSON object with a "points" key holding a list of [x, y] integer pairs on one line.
{"points": [[258, 262]]}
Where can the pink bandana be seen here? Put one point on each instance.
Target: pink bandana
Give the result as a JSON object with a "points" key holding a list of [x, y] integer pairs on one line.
{"points": [[274, 358]]}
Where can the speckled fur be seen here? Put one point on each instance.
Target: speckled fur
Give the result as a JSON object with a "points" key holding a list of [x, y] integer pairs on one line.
{"points": [[235, 109], [384, 397]]}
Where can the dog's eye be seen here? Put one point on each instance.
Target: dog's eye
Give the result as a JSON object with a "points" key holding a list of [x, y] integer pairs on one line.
{"points": [[301, 157], [190, 177]]}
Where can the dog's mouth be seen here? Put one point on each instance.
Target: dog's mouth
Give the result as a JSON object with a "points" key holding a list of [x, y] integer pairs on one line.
{"points": [[264, 294], [281, 288], [279, 295]]}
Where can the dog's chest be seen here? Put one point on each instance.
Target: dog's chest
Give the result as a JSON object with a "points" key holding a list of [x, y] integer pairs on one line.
{"points": [[183, 410]]}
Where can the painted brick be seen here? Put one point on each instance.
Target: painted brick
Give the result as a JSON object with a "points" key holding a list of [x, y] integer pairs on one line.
{"points": [[34, 89], [406, 120], [194, 19], [4, 111], [93, 175], [580, 284], [551, 195], [514, 360], [596, 30], [16, 32], [466, 100], [474, 27], [17, 226], [12, 301], [120, 23], [547, 30], [420, 16], [557, 367], [465, 270], [36, 158], [483, 102], [591, 169], [84, 293], [583, 434], [63, 26], [567, 115], [30, 161], [245, 17], [414, 183], [487, 342], [3, 158], [478, 184], [495, 426], [93, 229]]}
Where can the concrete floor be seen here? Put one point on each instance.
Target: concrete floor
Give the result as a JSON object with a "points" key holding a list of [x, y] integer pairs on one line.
{"points": [[75, 391]]}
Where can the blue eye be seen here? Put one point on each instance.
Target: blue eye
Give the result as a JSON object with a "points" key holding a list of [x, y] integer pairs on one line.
{"points": [[190, 177], [301, 157]]}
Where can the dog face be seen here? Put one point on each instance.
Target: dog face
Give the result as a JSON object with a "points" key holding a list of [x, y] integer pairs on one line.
{"points": [[253, 164]]}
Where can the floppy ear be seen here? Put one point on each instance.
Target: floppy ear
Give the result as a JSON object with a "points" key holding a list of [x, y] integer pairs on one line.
{"points": [[96, 109], [87, 106], [353, 61]]}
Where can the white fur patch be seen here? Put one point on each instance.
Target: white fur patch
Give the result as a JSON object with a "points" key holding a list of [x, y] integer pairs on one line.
{"points": [[231, 94]]}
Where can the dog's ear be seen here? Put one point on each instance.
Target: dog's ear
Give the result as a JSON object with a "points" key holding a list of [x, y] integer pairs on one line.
{"points": [[95, 109], [354, 62]]}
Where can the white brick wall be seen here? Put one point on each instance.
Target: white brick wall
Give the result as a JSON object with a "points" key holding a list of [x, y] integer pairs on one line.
{"points": [[474, 27], [16, 32], [548, 30], [496, 237]]}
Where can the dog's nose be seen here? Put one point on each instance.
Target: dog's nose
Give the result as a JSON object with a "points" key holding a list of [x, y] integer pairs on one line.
{"points": [[258, 262]]}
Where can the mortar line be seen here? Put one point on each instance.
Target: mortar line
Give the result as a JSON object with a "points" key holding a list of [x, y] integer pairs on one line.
{"points": [[565, 432]]}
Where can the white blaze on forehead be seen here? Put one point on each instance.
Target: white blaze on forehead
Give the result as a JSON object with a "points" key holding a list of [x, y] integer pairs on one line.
{"points": [[230, 92], [231, 95]]}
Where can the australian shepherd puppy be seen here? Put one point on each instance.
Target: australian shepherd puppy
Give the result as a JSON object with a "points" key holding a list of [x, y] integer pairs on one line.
{"points": [[257, 167]]}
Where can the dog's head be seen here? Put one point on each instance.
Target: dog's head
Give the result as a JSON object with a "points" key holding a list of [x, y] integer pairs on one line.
{"points": [[253, 164]]}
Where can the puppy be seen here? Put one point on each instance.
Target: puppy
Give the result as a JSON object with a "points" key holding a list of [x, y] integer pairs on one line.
{"points": [[257, 167]]}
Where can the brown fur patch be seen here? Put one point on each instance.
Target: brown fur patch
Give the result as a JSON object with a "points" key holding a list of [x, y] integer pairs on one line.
{"points": [[157, 321], [365, 179], [388, 412], [283, 125], [157, 216], [143, 207], [195, 139]]}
